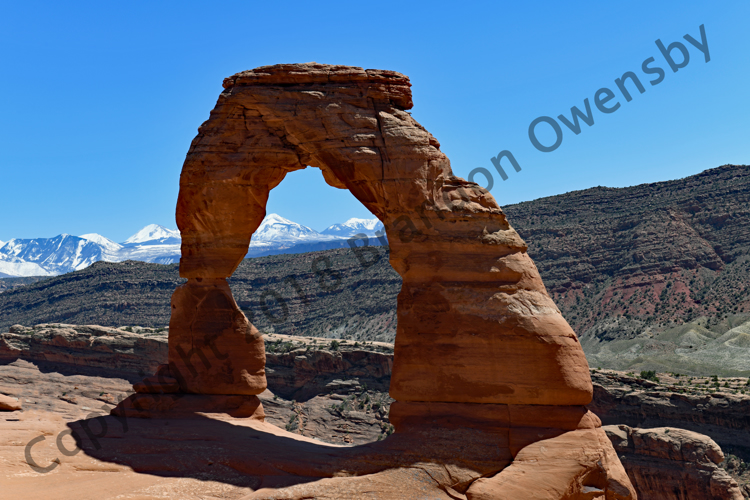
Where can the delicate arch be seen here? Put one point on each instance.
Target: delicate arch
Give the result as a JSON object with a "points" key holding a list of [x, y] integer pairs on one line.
{"points": [[475, 323]]}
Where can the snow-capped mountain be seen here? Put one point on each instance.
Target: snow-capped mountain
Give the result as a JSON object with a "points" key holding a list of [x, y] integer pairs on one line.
{"points": [[58, 255], [66, 253], [10, 269], [158, 244], [277, 235], [153, 243], [154, 234], [355, 226], [103, 242], [277, 229]]}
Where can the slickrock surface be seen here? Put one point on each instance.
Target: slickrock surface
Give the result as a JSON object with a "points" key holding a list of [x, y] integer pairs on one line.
{"points": [[350, 409], [673, 464]]}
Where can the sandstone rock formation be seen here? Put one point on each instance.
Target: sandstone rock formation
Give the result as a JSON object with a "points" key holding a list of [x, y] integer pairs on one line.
{"points": [[472, 308], [461, 262], [673, 464], [8, 403]]}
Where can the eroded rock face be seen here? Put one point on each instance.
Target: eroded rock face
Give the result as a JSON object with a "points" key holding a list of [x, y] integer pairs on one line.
{"points": [[666, 463], [483, 357], [576, 465], [624, 399]]}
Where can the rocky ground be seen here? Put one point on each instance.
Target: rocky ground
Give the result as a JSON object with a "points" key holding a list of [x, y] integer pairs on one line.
{"points": [[716, 406], [336, 391]]}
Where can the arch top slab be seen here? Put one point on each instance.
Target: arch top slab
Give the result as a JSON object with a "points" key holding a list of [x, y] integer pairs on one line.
{"points": [[475, 322]]}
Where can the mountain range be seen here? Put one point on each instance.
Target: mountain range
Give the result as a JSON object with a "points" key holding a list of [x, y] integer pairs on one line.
{"points": [[156, 244]]}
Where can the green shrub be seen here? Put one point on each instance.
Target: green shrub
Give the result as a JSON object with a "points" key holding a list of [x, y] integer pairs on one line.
{"points": [[649, 375]]}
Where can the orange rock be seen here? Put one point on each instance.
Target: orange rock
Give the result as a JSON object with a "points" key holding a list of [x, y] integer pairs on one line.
{"points": [[485, 367], [213, 349], [475, 323], [577, 465], [8, 403], [188, 405], [666, 463]]}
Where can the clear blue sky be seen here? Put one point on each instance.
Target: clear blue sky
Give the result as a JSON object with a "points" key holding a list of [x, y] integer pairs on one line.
{"points": [[100, 100]]}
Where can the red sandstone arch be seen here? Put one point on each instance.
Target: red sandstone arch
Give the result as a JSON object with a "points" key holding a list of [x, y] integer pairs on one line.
{"points": [[475, 323], [486, 371]]}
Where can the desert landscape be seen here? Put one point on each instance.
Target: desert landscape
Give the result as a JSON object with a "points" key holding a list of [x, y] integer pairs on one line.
{"points": [[307, 299], [219, 408]]}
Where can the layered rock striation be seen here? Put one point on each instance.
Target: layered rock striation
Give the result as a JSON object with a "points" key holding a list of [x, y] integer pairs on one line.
{"points": [[620, 398]]}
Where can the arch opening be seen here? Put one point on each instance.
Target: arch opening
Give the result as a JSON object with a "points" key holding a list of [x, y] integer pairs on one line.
{"points": [[320, 294]]}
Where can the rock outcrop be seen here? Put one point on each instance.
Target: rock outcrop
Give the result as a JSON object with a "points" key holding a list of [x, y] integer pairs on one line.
{"points": [[306, 368], [461, 262], [673, 464], [626, 399], [472, 306], [86, 347]]}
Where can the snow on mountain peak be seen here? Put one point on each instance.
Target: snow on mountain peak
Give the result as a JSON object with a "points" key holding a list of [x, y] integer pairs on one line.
{"points": [[278, 229], [153, 233], [354, 226], [366, 223], [102, 241]]}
